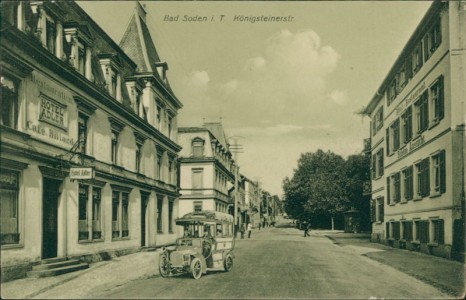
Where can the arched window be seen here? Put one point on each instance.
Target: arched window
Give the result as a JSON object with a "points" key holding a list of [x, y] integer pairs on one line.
{"points": [[198, 147]]}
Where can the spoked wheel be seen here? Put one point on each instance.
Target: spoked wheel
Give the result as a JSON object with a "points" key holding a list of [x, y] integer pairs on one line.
{"points": [[164, 265], [196, 268], [228, 263]]}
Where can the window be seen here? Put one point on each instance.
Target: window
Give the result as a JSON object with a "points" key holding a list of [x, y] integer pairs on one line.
{"points": [[377, 164], [408, 231], [159, 166], [81, 59], [438, 231], [9, 102], [197, 205], [89, 229], [377, 122], [393, 188], [170, 171], [159, 117], [438, 173], [197, 176], [170, 125], [392, 92], [408, 183], [407, 125], [83, 226], [138, 157], [393, 137], [417, 59], [82, 133], [170, 216], [120, 218], [422, 182], [432, 40], [396, 230], [114, 81], [159, 215], [50, 35], [422, 231], [198, 147], [9, 190], [437, 101], [379, 209], [422, 113], [114, 148]]}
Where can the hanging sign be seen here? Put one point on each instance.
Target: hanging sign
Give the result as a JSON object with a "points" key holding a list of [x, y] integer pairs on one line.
{"points": [[82, 173]]}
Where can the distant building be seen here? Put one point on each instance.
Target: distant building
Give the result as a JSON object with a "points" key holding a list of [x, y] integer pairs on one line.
{"points": [[207, 169], [418, 138], [88, 137]]}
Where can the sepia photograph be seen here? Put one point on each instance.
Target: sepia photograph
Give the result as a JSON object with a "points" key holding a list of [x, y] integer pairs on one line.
{"points": [[300, 149]]}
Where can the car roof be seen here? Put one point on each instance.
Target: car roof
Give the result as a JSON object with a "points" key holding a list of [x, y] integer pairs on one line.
{"points": [[205, 216]]}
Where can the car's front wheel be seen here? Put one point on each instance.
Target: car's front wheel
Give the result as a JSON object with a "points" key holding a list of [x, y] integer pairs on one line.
{"points": [[164, 265], [228, 263], [196, 268]]}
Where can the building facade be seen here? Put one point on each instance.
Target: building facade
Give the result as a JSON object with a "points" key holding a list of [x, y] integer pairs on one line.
{"points": [[207, 169], [417, 139], [88, 137]]}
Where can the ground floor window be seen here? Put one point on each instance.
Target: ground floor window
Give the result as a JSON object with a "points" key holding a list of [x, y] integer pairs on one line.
{"points": [[120, 206], [9, 207], [170, 216], [159, 215], [396, 230], [438, 231], [90, 213], [407, 231], [422, 231]]}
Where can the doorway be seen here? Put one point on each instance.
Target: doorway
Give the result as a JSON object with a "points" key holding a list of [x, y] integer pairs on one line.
{"points": [[50, 195], [144, 201]]}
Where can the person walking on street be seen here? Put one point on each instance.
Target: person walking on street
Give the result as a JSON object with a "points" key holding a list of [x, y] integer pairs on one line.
{"points": [[249, 230], [307, 227], [242, 230]]}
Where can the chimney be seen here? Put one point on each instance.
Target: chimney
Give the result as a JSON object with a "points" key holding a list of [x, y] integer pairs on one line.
{"points": [[141, 11]]}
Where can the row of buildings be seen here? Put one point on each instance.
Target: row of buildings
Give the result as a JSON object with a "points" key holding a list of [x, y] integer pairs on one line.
{"points": [[92, 159], [417, 142]]}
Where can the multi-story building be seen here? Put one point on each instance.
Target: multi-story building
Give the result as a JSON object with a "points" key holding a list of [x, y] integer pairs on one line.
{"points": [[418, 138], [207, 169], [88, 137], [251, 201]]}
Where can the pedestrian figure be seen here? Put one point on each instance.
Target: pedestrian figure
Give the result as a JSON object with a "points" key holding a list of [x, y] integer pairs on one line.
{"points": [[249, 230], [307, 227], [242, 230]]}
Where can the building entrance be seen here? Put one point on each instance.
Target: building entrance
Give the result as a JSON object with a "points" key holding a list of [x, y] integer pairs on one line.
{"points": [[144, 200], [51, 192]]}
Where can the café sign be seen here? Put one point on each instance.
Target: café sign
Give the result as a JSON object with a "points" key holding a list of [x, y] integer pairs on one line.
{"points": [[82, 173], [411, 146]]}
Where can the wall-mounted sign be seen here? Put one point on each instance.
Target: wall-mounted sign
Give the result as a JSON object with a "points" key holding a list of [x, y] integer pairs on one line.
{"points": [[414, 144], [82, 173], [53, 112]]}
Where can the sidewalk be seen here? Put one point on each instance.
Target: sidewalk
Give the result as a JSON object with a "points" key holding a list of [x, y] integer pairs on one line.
{"points": [[90, 283], [444, 274]]}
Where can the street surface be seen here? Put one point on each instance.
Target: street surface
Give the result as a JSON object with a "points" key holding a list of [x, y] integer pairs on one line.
{"points": [[281, 263]]}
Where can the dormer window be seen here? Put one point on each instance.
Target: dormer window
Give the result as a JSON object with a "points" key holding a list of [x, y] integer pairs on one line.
{"points": [[49, 28], [111, 66], [135, 91], [162, 68], [78, 38], [198, 147]]}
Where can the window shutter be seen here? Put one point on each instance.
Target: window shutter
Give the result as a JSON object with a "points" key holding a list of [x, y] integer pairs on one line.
{"points": [[373, 207], [441, 102], [387, 139], [382, 210], [388, 190], [373, 166], [443, 183], [441, 231], [409, 68], [426, 47]]}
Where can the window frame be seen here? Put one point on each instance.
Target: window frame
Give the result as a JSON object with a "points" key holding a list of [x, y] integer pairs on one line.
{"points": [[17, 236]]}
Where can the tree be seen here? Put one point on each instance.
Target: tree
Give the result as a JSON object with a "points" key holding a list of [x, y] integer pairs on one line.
{"points": [[317, 189]]}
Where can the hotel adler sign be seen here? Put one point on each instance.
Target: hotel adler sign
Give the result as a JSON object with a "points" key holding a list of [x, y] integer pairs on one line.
{"points": [[49, 110]]}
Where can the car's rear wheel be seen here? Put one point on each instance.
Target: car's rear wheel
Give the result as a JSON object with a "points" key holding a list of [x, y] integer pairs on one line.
{"points": [[164, 265], [228, 263], [196, 268]]}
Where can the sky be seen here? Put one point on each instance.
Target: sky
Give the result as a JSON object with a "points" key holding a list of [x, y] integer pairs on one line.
{"points": [[280, 89]]}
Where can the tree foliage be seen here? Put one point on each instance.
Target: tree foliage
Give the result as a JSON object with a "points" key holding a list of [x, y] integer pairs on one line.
{"points": [[324, 185]]}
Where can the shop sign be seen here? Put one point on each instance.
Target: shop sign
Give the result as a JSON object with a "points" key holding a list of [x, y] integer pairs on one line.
{"points": [[411, 146], [53, 112], [82, 173]]}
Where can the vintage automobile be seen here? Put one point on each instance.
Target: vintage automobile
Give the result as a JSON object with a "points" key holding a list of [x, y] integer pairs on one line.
{"points": [[207, 244]]}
